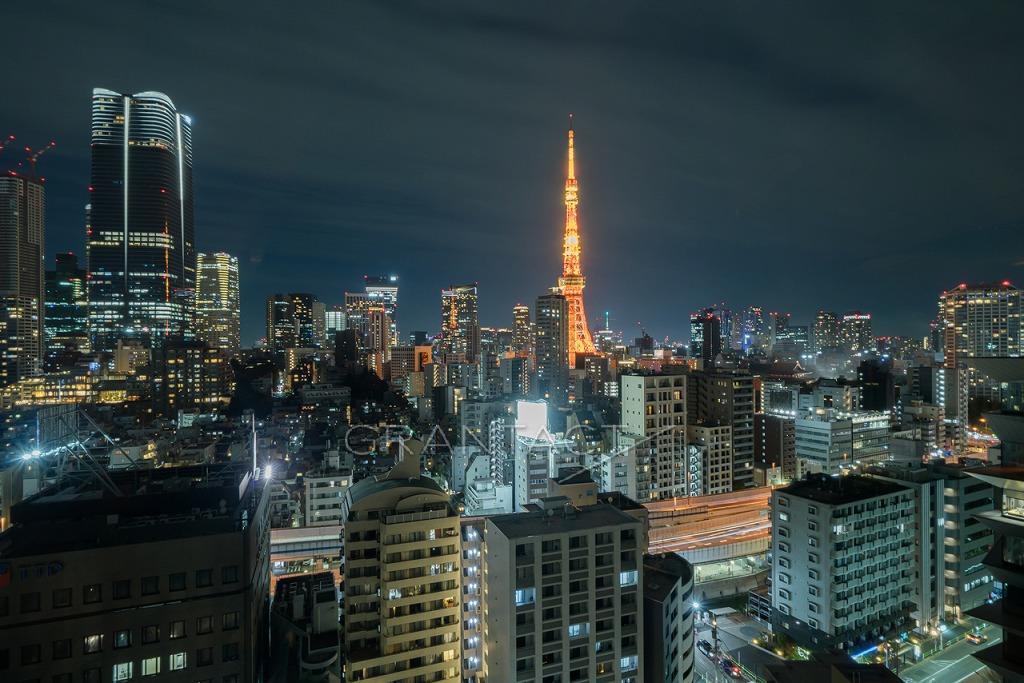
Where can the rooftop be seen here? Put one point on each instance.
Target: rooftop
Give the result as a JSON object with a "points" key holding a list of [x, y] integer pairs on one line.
{"points": [[832, 490], [149, 505], [567, 519], [662, 572]]}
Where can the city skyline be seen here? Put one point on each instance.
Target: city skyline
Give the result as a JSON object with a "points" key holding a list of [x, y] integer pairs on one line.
{"points": [[696, 185]]}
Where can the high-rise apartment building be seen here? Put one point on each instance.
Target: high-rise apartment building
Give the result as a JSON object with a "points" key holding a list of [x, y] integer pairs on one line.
{"points": [[714, 442], [855, 335], [826, 331], [562, 594], [22, 235], [653, 425], [522, 330], [403, 562], [140, 236], [460, 326], [980, 321], [840, 576], [218, 308], [551, 345], [156, 572], [67, 311]]}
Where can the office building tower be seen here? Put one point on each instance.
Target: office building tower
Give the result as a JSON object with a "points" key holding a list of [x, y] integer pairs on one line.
{"points": [[356, 304], [148, 572], [22, 284], [775, 444], [335, 321], [522, 330], [668, 619], [378, 339], [295, 320], [460, 326], [551, 345], [218, 308], [281, 330], [140, 236], [402, 548], [829, 440], [562, 594], [705, 335], [980, 321], [840, 576], [826, 332], [653, 425], [855, 335], [382, 291], [67, 311], [725, 396]]}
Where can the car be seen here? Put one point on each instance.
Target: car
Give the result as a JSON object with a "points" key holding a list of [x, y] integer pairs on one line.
{"points": [[705, 647], [976, 638], [731, 669]]}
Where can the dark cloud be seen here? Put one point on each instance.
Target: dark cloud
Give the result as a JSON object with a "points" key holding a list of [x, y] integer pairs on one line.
{"points": [[849, 156]]}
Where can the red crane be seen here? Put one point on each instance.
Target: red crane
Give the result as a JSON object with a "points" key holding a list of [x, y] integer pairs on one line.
{"points": [[33, 157]]}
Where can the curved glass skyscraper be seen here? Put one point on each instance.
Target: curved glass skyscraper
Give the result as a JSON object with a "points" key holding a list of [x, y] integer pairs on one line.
{"points": [[139, 228]]}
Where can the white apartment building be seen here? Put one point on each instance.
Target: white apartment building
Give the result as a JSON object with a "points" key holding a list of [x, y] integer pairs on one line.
{"points": [[653, 422], [842, 569]]}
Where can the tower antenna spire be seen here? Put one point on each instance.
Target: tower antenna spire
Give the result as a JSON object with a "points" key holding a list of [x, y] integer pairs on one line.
{"points": [[572, 151]]}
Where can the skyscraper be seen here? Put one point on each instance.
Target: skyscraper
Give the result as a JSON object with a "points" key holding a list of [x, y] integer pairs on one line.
{"points": [[460, 326], [140, 237], [67, 313], [855, 333], [217, 302], [980, 321], [572, 282], [826, 331], [522, 330], [295, 321], [705, 335], [382, 290], [22, 234], [551, 324]]}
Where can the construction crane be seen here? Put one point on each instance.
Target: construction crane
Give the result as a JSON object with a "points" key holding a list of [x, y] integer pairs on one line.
{"points": [[33, 157], [6, 141]]}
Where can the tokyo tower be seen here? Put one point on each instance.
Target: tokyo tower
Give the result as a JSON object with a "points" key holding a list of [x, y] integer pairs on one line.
{"points": [[571, 284]]}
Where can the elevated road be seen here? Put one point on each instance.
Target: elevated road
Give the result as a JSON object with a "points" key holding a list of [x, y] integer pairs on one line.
{"points": [[719, 523]]}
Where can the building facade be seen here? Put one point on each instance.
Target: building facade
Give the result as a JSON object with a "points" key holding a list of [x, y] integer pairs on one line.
{"points": [[839, 570], [218, 306], [22, 284], [140, 234]]}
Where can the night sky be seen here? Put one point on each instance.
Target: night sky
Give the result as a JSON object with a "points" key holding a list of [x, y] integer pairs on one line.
{"points": [[850, 156]]}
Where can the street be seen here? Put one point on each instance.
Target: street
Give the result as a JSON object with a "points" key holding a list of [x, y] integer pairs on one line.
{"points": [[953, 665]]}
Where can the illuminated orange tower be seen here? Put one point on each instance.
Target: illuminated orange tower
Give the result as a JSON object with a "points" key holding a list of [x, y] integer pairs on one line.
{"points": [[572, 282]]}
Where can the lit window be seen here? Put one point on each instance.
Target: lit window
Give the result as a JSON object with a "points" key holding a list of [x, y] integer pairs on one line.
{"points": [[150, 666], [122, 672], [525, 596], [177, 661]]}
